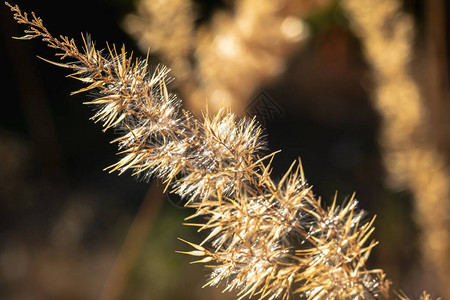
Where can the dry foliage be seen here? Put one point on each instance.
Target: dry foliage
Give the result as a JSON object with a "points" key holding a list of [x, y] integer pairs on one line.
{"points": [[227, 59], [411, 153], [269, 239]]}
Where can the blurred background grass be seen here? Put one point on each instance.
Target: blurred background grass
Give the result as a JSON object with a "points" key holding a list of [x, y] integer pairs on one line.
{"points": [[64, 221]]}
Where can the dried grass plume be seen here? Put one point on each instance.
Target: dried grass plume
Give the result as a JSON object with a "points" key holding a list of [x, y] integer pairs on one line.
{"points": [[269, 239]]}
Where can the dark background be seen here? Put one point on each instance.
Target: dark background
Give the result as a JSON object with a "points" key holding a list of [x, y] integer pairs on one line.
{"points": [[63, 219]]}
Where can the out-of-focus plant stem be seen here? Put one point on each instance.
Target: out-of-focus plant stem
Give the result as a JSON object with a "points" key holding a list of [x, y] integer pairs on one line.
{"points": [[133, 243]]}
